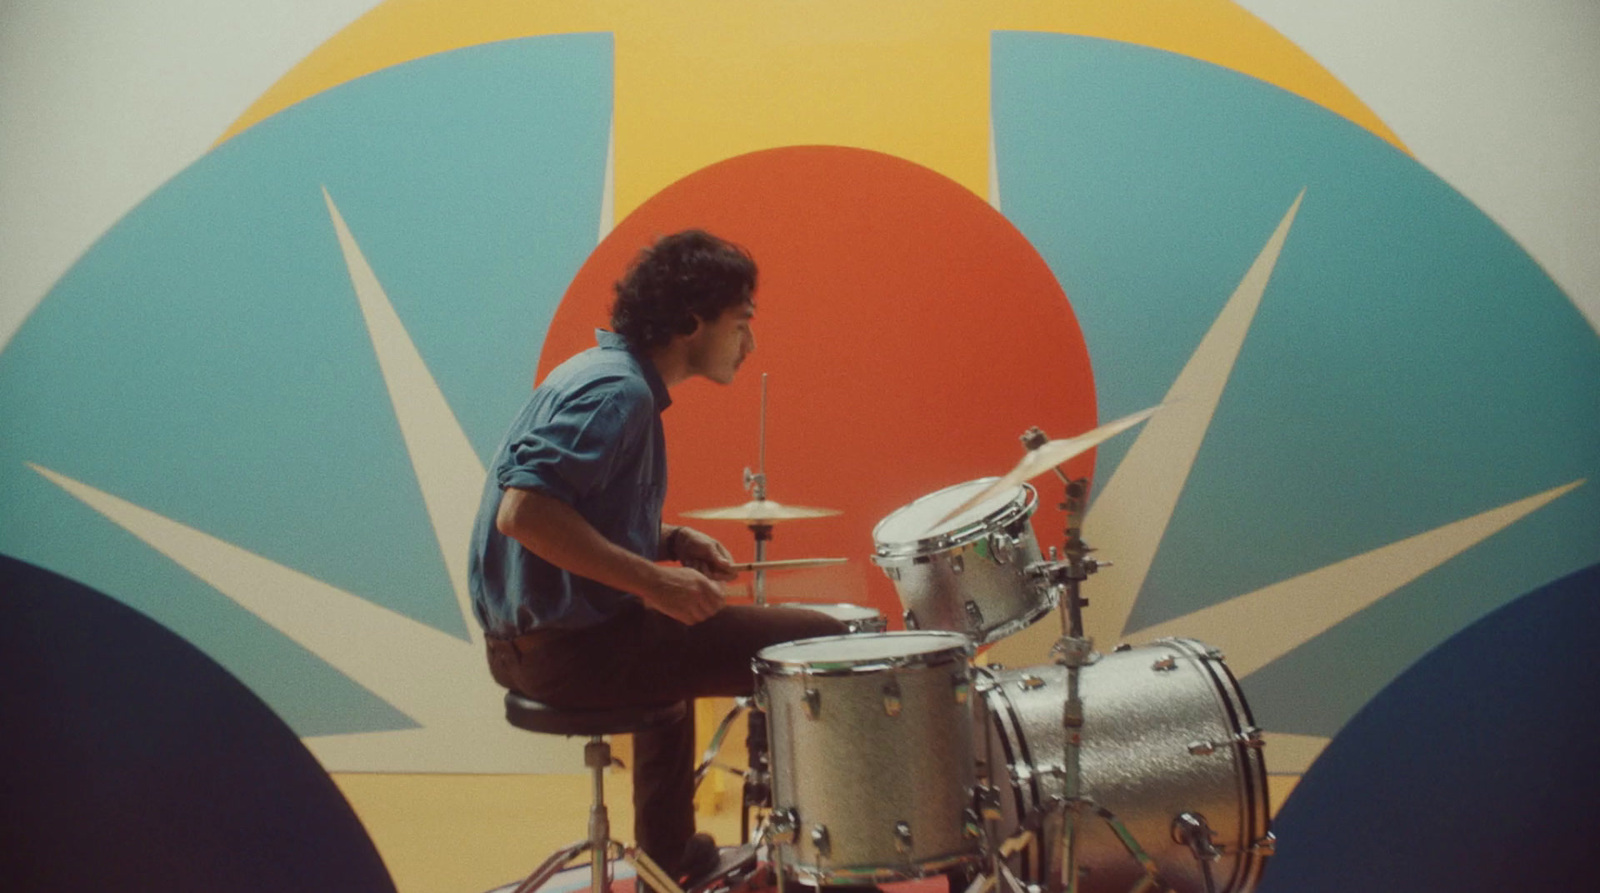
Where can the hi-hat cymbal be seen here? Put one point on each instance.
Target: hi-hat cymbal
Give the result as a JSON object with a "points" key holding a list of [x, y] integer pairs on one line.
{"points": [[760, 510], [1048, 456]]}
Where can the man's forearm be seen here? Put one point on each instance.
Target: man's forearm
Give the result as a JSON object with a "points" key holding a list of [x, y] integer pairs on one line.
{"points": [[556, 532]]}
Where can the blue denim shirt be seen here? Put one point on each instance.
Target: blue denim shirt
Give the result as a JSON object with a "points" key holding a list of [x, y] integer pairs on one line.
{"points": [[591, 437]]}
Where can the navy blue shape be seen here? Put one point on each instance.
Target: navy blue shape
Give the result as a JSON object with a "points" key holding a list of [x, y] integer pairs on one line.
{"points": [[131, 761], [1473, 771]]}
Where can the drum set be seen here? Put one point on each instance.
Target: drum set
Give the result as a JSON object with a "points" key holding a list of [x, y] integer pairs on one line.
{"points": [[883, 756]]}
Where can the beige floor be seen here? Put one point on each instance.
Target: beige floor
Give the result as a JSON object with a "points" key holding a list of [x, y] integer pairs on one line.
{"points": [[471, 833]]}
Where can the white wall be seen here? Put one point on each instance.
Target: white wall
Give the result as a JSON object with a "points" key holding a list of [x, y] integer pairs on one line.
{"points": [[101, 103]]}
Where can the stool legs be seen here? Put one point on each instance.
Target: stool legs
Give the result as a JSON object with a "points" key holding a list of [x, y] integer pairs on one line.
{"points": [[599, 845]]}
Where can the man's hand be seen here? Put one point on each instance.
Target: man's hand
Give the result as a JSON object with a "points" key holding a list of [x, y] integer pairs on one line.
{"points": [[685, 595], [556, 532], [705, 555]]}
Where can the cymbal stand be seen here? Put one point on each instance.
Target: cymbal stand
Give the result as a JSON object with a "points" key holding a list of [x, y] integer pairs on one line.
{"points": [[1075, 651], [756, 483]]}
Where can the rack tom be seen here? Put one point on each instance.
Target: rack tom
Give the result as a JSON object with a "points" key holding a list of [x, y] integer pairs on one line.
{"points": [[968, 574]]}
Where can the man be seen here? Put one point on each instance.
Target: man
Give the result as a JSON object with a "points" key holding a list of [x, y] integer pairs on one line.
{"points": [[563, 569]]}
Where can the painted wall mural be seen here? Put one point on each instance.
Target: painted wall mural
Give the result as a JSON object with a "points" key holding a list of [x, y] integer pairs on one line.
{"points": [[258, 409]]}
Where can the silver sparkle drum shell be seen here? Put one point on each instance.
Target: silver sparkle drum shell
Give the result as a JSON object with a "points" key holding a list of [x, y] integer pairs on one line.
{"points": [[1166, 731], [871, 739], [856, 618], [968, 574]]}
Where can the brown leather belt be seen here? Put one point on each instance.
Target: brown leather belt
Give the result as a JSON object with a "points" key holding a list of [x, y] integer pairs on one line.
{"points": [[517, 645]]}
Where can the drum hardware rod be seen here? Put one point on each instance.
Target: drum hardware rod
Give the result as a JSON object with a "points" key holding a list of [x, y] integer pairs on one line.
{"points": [[1072, 807], [786, 563], [1002, 880], [780, 824], [758, 782], [988, 802], [1074, 651], [1191, 830], [757, 485], [715, 745], [763, 535]]}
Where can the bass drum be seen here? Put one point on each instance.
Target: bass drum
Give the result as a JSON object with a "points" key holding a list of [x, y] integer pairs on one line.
{"points": [[1166, 733]]}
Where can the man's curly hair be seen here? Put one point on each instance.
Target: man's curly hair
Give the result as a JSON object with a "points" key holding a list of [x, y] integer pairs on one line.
{"points": [[683, 278]]}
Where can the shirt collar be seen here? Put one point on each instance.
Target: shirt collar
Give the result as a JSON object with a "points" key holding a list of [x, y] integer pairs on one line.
{"points": [[658, 388]]}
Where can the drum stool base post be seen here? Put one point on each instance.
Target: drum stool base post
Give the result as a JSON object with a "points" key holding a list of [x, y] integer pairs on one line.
{"points": [[600, 846]]}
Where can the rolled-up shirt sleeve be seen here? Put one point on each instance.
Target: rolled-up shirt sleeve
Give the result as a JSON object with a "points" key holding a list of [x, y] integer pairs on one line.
{"points": [[577, 448]]}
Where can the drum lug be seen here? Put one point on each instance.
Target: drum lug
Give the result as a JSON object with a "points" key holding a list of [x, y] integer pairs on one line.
{"points": [[1248, 737], [892, 572], [986, 802], [911, 620], [974, 615], [783, 826], [1264, 846], [902, 837], [1030, 682], [957, 563], [971, 826], [1002, 547], [813, 703], [819, 839], [891, 697]]}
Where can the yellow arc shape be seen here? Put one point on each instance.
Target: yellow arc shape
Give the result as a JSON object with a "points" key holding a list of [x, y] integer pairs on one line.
{"points": [[698, 81]]}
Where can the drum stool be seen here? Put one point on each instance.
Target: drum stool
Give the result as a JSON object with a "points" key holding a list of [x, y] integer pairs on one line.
{"points": [[533, 716]]}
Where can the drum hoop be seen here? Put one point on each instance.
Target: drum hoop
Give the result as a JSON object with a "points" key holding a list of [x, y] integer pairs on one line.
{"points": [[1021, 507], [958, 652], [883, 873], [865, 612], [1254, 802], [1008, 728]]}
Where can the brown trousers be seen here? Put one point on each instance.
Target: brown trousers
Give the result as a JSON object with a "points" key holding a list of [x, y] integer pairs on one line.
{"points": [[642, 657]]}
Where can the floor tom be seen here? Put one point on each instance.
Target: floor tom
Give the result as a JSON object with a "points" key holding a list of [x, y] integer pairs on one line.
{"points": [[871, 741]]}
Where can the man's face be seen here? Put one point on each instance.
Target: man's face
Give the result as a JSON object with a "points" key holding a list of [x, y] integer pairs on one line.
{"points": [[718, 347]]}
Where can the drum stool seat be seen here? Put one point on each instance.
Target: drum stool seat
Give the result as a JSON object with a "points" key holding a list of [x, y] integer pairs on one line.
{"points": [[533, 716]]}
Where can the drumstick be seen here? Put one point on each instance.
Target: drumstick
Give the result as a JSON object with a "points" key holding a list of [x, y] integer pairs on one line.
{"points": [[787, 563]]}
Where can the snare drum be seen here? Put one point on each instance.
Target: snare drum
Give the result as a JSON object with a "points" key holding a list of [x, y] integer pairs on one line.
{"points": [[969, 574], [1166, 732], [872, 762], [854, 617]]}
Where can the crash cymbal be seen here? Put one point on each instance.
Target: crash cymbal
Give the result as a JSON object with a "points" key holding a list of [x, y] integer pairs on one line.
{"points": [[787, 563], [764, 511], [1048, 456]]}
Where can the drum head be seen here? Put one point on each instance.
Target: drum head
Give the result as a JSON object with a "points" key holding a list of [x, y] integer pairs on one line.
{"points": [[838, 611], [916, 522], [863, 650]]}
